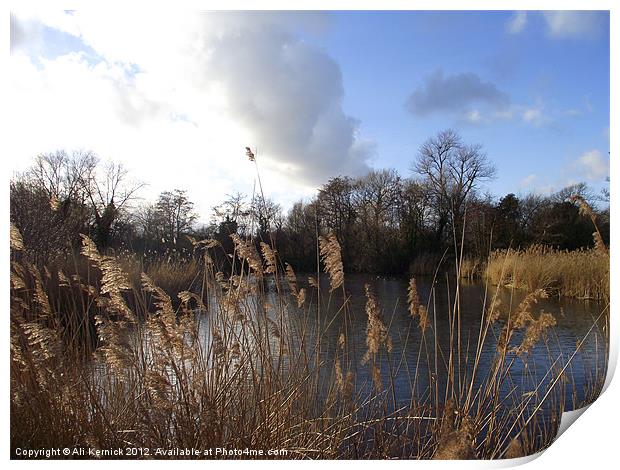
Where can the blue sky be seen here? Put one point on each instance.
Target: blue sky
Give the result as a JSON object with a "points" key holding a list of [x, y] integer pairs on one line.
{"points": [[567, 78], [177, 97]]}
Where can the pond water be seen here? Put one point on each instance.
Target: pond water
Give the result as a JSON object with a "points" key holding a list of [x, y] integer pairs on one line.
{"points": [[417, 368], [578, 321]]}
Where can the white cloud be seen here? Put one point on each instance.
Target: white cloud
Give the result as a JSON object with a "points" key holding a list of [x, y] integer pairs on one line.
{"points": [[534, 114], [473, 116], [575, 24], [178, 96], [71, 104], [528, 181], [593, 166], [517, 22]]}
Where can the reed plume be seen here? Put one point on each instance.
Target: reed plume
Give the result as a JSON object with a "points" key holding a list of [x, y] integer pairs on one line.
{"points": [[515, 449], [291, 279], [412, 298], [269, 255], [247, 251], [376, 332], [331, 256], [534, 331], [416, 309], [16, 240], [455, 435]]}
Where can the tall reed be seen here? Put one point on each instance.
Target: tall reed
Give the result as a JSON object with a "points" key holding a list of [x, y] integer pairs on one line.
{"points": [[243, 362], [582, 273]]}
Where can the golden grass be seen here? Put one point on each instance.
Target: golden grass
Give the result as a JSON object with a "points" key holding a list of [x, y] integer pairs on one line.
{"points": [[172, 274], [582, 273], [471, 268]]}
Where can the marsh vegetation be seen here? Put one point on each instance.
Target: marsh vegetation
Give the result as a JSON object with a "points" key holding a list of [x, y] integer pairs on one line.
{"points": [[135, 328], [262, 359]]}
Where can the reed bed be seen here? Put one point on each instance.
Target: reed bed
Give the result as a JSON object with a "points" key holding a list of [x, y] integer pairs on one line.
{"points": [[471, 268], [582, 273], [242, 363]]}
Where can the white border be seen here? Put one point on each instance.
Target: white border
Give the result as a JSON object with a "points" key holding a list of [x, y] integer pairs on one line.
{"points": [[592, 443]]}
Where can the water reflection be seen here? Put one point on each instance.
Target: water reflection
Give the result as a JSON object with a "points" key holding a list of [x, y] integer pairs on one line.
{"points": [[412, 365]]}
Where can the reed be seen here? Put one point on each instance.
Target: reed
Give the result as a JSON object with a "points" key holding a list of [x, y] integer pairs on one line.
{"points": [[233, 364], [582, 273]]}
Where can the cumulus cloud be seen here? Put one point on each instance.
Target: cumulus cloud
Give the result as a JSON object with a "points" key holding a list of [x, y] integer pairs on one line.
{"points": [[517, 22], [456, 93], [190, 90], [24, 34], [289, 93], [575, 24], [473, 101]]}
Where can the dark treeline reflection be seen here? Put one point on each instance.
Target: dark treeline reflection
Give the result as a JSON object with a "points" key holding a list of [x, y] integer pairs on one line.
{"points": [[385, 222]]}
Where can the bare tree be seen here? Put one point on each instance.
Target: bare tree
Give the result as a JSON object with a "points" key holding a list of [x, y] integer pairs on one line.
{"points": [[378, 193], [61, 175], [415, 210], [108, 195], [48, 202], [147, 221], [336, 211], [378, 197], [234, 211], [268, 215], [452, 170], [175, 213]]}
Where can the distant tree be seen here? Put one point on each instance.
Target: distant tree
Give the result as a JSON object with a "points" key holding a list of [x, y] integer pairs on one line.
{"points": [[300, 236], [480, 231], [73, 195], [175, 215], [49, 229], [149, 226], [377, 197], [564, 194], [507, 225], [109, 192], [62, 176], [337, 212], [452, 171], [604, 195], [415, 211], [560, 225], [268, 217], [235, 210]]}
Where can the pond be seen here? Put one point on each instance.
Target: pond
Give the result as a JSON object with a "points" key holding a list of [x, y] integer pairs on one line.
{"points": [[415, 368], [421, 371]]}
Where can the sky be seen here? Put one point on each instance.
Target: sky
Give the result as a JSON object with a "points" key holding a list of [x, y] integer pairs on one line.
{"points": [[177, 96]]}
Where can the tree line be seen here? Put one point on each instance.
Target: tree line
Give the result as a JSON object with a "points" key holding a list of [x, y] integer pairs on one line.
{"points": [[384, 222]]}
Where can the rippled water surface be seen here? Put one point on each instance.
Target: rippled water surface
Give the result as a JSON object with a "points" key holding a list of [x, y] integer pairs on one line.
{"points": [[412, 365]]}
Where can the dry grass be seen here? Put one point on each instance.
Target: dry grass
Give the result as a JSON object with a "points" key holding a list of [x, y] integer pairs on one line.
{"points": [[471, 268], [121, 366], [583, 273], [172, 274], [426, 264]]}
